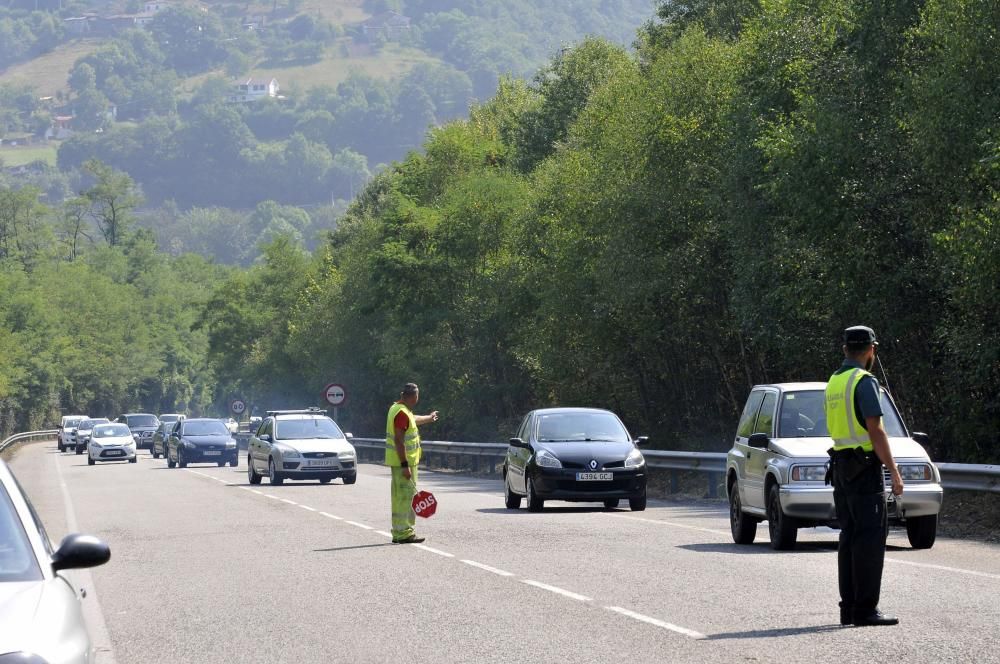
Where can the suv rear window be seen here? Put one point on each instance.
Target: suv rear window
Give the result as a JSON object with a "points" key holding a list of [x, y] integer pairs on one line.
{"points": [[142, 421]]}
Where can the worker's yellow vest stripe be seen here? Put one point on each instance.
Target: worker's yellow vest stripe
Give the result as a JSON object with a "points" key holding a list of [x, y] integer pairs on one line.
{"points": [[411, 439], [841, 419]]}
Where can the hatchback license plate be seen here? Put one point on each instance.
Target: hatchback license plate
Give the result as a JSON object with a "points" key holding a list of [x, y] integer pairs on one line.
{"points": [[114, 453], [320, 462], [595, 477], [212, 453]]}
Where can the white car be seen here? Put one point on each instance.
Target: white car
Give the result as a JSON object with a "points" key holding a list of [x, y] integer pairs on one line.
{"points": [[82, 433], [65, 439], [300, 445], [111, 442]]}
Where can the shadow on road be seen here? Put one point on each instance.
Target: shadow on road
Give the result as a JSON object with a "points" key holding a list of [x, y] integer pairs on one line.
{"points": [[548, 510], [772, 633], [348, 548], [758, 548]]}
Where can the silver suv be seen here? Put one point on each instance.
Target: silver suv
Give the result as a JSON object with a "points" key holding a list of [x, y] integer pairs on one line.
{"points": [[776, 468]]}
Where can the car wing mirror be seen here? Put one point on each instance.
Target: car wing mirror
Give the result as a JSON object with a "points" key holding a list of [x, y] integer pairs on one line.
{"points": [[348, 435], [266, 437], [641, 440], [759, 440], [78, 551], [921, 438], [517, 442]]}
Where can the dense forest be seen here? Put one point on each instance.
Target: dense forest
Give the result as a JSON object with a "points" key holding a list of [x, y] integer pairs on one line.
{"points": [[651, 230]]}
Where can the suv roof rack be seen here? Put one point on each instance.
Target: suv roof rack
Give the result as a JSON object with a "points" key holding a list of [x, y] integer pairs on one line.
{"points": [[311, 410]]}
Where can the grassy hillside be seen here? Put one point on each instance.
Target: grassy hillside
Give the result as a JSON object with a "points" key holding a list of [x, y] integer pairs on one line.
{"points": [[48, 73], [335, 67]]}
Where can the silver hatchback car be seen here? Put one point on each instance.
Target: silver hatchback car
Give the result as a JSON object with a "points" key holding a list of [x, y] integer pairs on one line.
{"points": [[776, 468], [300, 445], [40, 614]]}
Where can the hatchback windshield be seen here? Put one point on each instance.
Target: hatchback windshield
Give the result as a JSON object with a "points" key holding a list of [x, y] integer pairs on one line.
{"points": [[575, 427], [314, 427], [111, 431], [802, 416], [142, 421], [17, 561], [206, 428], [87, 425]]}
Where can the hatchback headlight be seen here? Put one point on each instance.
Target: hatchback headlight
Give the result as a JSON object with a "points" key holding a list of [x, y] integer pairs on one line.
{"points": [[347, 455], [96, 443], [230, 443], [547, 459], [634, 459], [809, 473], [915, 471], [288, 452]]}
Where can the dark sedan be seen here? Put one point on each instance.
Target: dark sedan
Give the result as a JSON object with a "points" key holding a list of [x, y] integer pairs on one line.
{"points": [[160, 438], [577, 455], [201, 440]]}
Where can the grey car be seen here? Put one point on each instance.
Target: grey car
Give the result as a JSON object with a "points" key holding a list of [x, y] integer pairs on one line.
{"points": [[142, 426], [300, 445], [41, 619], [776, 468], [83, 430]]}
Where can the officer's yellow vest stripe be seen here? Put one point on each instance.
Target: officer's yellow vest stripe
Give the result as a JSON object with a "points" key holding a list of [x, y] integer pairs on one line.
{"points": [[841, 419], [411, 438]]}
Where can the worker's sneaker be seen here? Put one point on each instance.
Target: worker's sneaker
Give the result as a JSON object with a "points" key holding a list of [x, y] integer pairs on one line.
{"points": [[412, 539], [875, 618]]}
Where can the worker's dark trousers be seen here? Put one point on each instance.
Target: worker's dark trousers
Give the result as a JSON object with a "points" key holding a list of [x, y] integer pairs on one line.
{"points": [[860, 507]]}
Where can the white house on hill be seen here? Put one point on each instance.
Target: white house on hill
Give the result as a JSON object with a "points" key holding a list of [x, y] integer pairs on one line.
{"points": [[255, 89]]}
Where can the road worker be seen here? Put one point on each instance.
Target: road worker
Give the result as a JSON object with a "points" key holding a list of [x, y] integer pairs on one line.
{"points": [[402, 454]]}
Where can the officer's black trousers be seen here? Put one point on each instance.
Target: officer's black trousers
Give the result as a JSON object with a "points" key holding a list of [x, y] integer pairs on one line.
{"points": [[860, 507]]}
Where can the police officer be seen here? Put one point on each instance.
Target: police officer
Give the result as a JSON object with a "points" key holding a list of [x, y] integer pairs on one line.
{"points": [[402, 454], [860, 449]]}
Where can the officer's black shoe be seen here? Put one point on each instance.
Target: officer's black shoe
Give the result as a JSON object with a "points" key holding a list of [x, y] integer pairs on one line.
{"points": [[846, 617], [876, 618], [412, 539]]}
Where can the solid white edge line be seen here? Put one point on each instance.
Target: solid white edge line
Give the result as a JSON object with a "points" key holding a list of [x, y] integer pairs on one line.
{"points": [[245, 488], [942, 568], [493, 570], [556, 590], [271, 496], [331, 516], [435, 551], [286, 500], [659, 623], [93, 612], [359, 525], [306, 507]]}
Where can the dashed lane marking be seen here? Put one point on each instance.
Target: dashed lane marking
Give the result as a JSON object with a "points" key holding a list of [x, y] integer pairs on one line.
{"points": [[332, 516], [943, 568], [271, 496], [556, 590], [306, 507], [359, 525], [654, 621], [493, 570], [290, 502], [673, 524], [439, 552]]}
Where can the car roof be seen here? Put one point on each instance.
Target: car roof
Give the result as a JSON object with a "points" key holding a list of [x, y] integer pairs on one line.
{"points": [[131, 414], [795, 387], [569, 409], [189, 420], [300, 416]]}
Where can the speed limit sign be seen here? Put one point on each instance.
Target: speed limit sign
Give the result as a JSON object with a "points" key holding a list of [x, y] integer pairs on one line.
{"points": [[237, 406]]}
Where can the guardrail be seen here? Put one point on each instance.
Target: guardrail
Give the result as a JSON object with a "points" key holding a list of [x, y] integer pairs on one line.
{"points": [[955, 476], [28, 435]]}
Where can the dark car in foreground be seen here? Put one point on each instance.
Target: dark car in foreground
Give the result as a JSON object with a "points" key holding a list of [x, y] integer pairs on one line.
{"points": [[142, 426], [201, 440], [577, 455], [160, 439], [41, 619]]}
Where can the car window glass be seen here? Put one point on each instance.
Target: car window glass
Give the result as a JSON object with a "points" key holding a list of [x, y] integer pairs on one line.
{"points": [[301, 429], [802, 415], [111, 431], [749, 415], [765, 419], [891, 421], [142, 421], [17, 560], [205, 428], [580, 426], [523, 430]]}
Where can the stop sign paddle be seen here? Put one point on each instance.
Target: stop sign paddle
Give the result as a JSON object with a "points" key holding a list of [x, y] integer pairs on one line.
{"points": [[424, 504]]}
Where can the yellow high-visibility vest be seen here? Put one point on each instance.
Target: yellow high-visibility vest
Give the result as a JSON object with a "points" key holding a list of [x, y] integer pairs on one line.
{"points": [[411, 439], [842, 421]]}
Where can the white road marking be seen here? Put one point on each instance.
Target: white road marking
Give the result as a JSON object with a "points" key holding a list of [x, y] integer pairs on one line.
{"points": [[272, 497], [92, 610], [659, 623], [290, 502], [494, 570], [246, 488], [259, 493], [435, 551], [667, 523], [359, 525], [331, 516], [306, 507], [943, 568], [383, 533], [558, 591]]}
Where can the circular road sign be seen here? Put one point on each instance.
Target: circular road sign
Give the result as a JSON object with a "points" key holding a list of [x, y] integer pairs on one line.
{"points": [[335, 394], [237, 406]]}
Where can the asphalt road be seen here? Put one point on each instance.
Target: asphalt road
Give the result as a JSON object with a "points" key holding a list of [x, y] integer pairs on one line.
{"points": [[206, 568]]}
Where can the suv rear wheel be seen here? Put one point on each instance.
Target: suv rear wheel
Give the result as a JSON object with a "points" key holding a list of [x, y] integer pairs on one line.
{"points": [[782, 528], [743, 526], [922, 531]]}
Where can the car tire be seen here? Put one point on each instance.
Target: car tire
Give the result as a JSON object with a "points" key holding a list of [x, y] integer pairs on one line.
{"points": [[611, 503], [351, 479], [510, 499], [273, 476], [252, 475], [922, 531], [220, 464], [638, 504], [79, 450], [181, 463], [90, 462], [234, 462], [742, 525], [535, 504], [781, 527], [325, 480], [134, 460], [60, 445], [156, 455], [170, 462]]}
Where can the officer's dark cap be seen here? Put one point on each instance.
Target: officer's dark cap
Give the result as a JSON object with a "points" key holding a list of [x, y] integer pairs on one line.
{"points": [[859, 336]]}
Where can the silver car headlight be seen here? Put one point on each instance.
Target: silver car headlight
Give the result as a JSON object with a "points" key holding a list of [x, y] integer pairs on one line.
{"points": [[96, 443], [809, 473], [288, 452], [350, 454], [547, 459], [915, 471], [230, 444], [634, 459]]}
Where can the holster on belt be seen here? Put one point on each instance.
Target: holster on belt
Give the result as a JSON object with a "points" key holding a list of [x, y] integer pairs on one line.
{"points": [[847, 465]]}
